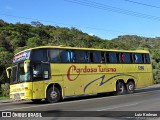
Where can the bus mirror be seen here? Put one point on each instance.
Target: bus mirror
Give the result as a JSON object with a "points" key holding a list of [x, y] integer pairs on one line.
{"points": [[8, 71]]}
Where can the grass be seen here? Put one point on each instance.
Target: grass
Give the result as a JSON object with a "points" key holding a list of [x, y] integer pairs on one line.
{"points": [[3, 98]]}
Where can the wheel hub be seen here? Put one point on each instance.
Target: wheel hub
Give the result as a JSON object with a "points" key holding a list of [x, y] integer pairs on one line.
{"points": [[53, 94], [130, 87]]}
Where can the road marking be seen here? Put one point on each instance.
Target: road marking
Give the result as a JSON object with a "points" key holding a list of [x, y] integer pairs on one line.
{"points": [[125, 105]]}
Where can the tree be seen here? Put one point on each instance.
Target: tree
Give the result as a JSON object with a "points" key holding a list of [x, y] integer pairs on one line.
{"points": [[36, 24], [34, 41]]}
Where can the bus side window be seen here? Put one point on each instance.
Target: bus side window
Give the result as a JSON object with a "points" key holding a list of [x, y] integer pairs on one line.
{"points": [[122, 57], [127, 58], [86, 58], [39, 55], [54, 55], [79, 56], [72, 55], [135, 58], [107, 58], [147, 58], [131, 58], [95, 56], [65, 56], [118, 57], [138, 58], [143, 58], [91, 57], [113, 57], [102, 57]]}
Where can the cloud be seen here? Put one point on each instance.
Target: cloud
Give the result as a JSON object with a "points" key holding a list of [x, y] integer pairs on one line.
{"points": [[8, 8], [91, 34]]}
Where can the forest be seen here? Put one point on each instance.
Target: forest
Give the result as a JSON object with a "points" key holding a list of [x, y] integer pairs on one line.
{"points": [[17, 37]]}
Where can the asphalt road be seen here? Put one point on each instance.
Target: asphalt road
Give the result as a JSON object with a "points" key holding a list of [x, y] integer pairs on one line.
{"points": [[144, 102]]}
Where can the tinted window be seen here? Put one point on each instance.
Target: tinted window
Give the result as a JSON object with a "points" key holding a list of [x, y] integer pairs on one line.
{"points": [[126, 58], [147, 58], [72, 56], [113, 57], [81, 56], [39, 55], [103, 58], [95, 56], [131, 58], [118, 57], [65, 56], [54, 55], [107, 57], [138, 58]]}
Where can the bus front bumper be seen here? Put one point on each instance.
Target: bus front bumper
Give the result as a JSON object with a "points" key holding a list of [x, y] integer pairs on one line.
{"points": [[23, 95]]}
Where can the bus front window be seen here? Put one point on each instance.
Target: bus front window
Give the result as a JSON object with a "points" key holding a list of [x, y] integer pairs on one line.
{"points": [[23, 75], [14, 75], [37, 72]]}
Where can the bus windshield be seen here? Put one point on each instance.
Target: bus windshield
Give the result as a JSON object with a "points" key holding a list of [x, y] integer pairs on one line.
{"points": [[18, 74]]}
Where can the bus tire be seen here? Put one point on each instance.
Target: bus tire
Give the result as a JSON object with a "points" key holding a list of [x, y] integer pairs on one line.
{"points": [[130, 87], [53, 96], [36, 100], [120, 88]]}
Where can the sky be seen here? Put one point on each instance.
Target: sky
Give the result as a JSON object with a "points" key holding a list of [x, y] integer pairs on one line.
{"points": [[106, 19]]}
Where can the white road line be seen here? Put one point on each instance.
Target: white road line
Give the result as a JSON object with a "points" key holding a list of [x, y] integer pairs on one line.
{"points": [[125, 105]]}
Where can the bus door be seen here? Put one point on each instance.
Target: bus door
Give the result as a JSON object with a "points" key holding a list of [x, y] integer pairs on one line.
{"points": [[40, 73]]}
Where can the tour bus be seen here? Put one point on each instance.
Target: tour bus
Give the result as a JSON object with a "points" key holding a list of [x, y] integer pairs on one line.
{"points": [[55, 72]]}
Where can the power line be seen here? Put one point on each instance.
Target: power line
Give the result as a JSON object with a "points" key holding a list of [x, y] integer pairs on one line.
{"points": [[87, 27], [113, 9], [153, 6], [34, 19]]}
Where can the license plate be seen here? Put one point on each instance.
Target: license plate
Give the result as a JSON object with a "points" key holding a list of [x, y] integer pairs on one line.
{"points": [[17, 96]]}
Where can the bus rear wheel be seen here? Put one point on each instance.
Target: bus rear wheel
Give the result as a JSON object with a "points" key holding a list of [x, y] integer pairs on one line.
{"points": [[130, 87], [53, 95], [120, 88]]}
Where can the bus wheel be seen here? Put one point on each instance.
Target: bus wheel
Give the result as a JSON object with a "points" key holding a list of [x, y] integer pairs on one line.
{"points": [[120, 88], [130, 87], [53, 96], [36, 100]]}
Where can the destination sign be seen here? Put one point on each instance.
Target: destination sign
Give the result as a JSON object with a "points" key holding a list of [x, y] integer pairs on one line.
{"points": [[21, 56]]}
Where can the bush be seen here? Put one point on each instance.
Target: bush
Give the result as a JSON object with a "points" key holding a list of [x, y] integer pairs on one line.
{"points": [[155, 72], [5, 89]]}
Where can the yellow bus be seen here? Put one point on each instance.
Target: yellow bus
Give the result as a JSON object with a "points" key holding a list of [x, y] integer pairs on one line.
{"points": [[54, 72]]}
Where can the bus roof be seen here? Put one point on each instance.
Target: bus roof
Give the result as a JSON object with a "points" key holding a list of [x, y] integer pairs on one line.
{"points": [[77, 48]]}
